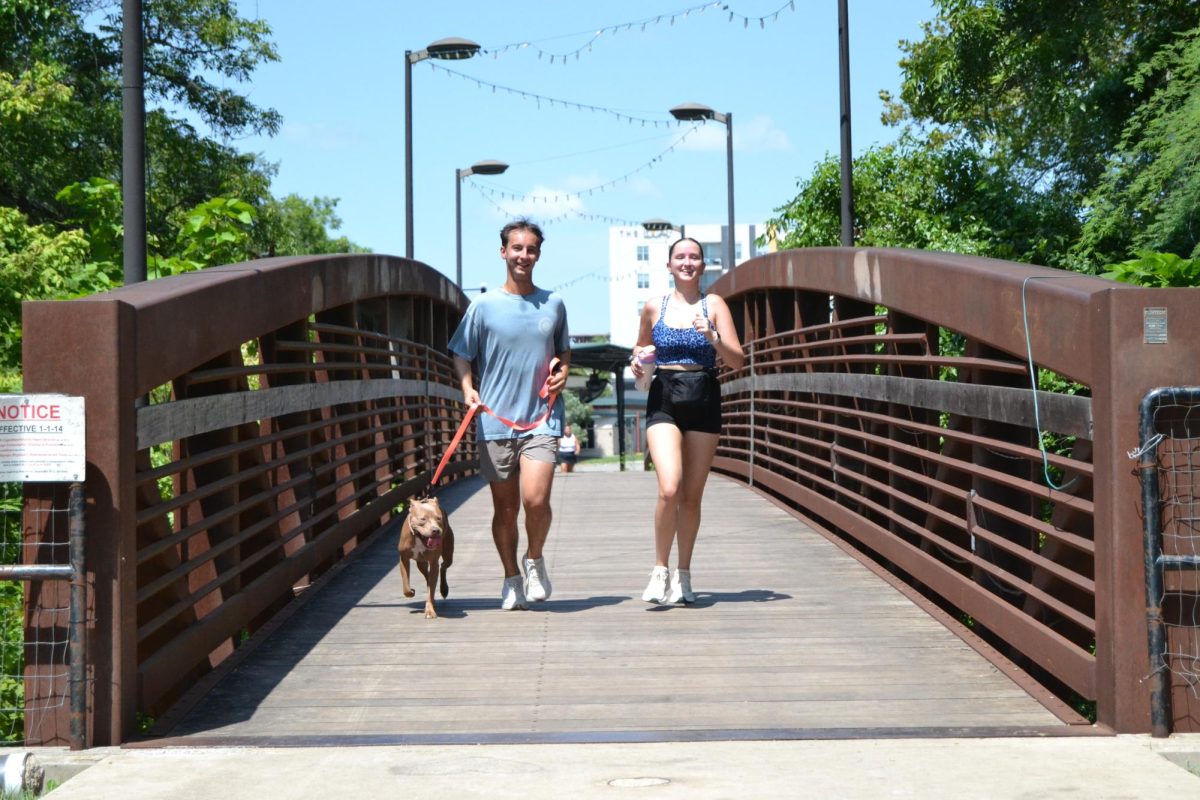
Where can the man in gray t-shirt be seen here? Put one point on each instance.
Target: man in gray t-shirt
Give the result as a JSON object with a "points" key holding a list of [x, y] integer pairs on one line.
{"points": [[502, 353]]}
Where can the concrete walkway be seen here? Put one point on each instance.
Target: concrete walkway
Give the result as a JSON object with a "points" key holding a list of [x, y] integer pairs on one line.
{"points": [[1098, 768]]}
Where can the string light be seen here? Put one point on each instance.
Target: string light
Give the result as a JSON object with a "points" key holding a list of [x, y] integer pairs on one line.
{"points": [[545, 222], [567, 196], [566, 216], [539, 99], [641, 24]]}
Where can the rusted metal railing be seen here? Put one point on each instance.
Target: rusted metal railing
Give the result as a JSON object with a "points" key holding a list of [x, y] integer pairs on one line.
{"points": [[888, 399], [247, 427]]}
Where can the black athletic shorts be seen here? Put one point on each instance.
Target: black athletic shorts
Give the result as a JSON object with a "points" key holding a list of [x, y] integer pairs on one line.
{"points": [[703, 415]]}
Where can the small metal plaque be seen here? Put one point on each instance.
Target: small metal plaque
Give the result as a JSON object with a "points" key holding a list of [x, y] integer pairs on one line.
{"points": [[1154, 325]]}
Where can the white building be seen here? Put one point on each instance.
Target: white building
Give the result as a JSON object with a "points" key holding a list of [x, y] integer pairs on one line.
{"points": [[637, 268]]}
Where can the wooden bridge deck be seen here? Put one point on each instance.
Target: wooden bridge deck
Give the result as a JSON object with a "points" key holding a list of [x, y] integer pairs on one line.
{"points": [[791, 638]]}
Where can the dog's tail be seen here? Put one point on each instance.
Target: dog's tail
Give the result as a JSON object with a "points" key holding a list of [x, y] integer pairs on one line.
{"points": [[445, 586]]}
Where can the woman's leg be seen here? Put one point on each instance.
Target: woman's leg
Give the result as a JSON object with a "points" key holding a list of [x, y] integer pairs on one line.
{"points": [[698, 450], [665, 443]]}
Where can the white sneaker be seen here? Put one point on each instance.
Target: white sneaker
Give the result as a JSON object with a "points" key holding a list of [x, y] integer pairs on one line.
{"points": [[537, 579], [512, 594], [681, 587], [656, 589]]}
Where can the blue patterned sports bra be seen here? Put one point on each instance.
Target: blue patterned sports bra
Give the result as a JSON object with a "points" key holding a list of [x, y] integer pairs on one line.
{"points": [[682, 345]]}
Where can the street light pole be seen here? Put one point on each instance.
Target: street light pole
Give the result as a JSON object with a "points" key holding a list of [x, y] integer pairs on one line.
{"points": [[451, 49], [478, 168], [847, 154], [729, 263], [690, 112], [408, 157], [133, 147]]}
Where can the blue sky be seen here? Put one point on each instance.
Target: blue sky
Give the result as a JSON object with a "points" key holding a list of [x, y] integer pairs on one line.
{"points": [[597, 149]]}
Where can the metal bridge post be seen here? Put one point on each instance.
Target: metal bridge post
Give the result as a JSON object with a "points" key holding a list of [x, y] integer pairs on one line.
{"points": [[76, 634]]}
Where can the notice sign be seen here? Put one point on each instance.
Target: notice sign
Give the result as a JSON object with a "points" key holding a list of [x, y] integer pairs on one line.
{"points": [[41, 438]]}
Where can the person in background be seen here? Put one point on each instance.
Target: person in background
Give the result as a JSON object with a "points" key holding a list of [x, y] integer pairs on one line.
{"points": [[568, 450], [690, 331], [503, 350]]}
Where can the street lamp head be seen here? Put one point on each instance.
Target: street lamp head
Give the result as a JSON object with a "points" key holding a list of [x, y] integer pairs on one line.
{"points": [[656, 224], [694, 112], [690, 112], [450, 49], [488, 167]]}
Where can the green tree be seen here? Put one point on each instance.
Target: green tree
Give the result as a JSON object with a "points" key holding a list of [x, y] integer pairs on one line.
{"points": [[296, 226], [215, 232], [54, 55], [1149, 196], [60, 126], [39, 262], [37, 117], [1043, 89], [579, 413], [929, 197]]}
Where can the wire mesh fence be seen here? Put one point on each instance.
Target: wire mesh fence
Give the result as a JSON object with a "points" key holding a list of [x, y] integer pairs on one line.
{"points": [[1169, 466], [41, 665]]}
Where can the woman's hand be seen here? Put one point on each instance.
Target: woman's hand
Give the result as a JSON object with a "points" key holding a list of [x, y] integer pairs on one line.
{"points": [[705, 328]]}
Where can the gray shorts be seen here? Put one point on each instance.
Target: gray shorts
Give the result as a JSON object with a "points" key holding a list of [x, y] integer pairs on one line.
{"points": [[498, 457]]}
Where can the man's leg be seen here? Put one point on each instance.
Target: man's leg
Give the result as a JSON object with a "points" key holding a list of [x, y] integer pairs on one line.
{"points": [[506, 500], [537, 477]]}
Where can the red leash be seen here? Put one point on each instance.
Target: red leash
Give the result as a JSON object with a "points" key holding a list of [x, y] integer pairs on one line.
{"points": [[544, 393]]}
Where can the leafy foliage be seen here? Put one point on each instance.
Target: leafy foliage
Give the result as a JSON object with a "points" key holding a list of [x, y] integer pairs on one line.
{"points": [[1161, 270], [215, 232], [295, 225], [928, 197], [579, 413], [1149, 196], [61, 232], [1042, 87], [39, 262], [12, 616], [68, 94], [1082, 111]]}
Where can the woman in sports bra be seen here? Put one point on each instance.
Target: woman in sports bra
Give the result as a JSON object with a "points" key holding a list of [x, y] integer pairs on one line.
{"points": [[689, 331]]}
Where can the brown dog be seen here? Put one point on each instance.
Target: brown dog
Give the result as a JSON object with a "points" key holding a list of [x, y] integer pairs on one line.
{"points": [[427, 538]]}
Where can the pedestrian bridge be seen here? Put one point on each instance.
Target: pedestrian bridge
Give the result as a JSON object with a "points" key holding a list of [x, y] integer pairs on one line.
{"points": [[886, 544], [791, 637]]}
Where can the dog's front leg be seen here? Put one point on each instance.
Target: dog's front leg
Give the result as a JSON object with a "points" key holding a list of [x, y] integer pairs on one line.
{"points": [[408, 590], [431, 579]]}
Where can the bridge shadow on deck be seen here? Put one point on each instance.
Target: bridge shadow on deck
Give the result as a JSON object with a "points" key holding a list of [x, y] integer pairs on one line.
{"points": [[790, 638]]}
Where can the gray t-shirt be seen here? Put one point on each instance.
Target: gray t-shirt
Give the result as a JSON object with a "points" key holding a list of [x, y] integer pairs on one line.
{"points": [[510, 340]]}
